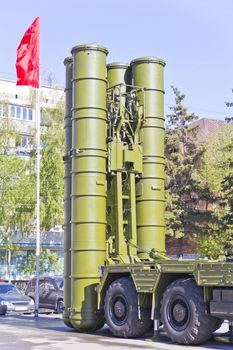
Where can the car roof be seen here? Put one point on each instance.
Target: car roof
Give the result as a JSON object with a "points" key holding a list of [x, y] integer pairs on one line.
{"points": [[6, 284], [53, 277]]}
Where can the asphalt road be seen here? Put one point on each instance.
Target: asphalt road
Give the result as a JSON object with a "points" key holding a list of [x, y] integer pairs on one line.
{"points": [[48, 332]]}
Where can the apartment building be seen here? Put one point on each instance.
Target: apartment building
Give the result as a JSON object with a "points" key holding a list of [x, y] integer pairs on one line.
{"points": [[17, 103]]}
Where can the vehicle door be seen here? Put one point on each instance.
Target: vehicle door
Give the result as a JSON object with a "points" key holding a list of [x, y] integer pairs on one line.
{"points": [[42, 293], [50, 292]]}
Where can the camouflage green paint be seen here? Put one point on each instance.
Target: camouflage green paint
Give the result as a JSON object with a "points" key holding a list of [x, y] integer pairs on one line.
{"points": [[119, 76], [119, 73], [147, 72], [88, 218], [68, 62]]}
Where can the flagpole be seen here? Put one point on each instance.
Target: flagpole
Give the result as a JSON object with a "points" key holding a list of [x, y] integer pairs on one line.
{"points": [[27, 70], [37, 110]]}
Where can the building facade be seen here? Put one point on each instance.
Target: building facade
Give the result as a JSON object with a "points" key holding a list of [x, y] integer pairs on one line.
{"points": [[17, 103]]}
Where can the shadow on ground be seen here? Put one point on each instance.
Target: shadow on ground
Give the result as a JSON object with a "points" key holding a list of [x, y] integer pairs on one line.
{"points": [[53, 322]]}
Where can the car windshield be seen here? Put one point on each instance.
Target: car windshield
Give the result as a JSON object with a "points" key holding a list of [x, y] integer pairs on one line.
{"points": [[60, 283], [8, 289]]}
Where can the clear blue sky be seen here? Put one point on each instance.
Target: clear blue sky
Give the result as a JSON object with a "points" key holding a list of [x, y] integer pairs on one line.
{"points": [[194, 37]]}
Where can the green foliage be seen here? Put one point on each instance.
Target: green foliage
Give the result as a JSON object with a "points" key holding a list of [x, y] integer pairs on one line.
{"points": [[211, 246], [18, 178], [217, 173], [199, 183], [17, 187], [227, 186], [48, 263], [216, 160], [17, 195], [184, 189], [7, 136], [18, 181], [52, 173], [17, 192]]}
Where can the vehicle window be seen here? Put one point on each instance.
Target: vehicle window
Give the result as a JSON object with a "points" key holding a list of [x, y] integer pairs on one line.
{"points": [[49, 285], [42, 286], [60, 283], [8, 289], [32, 283], [29, 284]]}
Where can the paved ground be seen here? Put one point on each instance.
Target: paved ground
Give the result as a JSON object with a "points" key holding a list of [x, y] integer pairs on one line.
{"points": [[47, 332]]}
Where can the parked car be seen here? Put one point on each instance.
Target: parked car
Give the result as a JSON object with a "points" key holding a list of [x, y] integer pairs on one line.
{"points": [[13, 301], [51, 292]]}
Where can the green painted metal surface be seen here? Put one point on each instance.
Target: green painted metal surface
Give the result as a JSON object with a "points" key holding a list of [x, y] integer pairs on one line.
{"points": [[147, 72], [88, 218], [119, 73], [124, 153], [213, 273], [68, 62], [152, 278], [147, 275], [121, 184]]}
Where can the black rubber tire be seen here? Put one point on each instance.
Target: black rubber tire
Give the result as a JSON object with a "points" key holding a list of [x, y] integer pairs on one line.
{"points": [[60, 306], [121, 298], [183, 313], [68, 323]]}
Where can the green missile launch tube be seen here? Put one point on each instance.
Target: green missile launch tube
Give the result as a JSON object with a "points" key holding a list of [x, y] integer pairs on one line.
{"points": [[118, 73], [68, 62], [89, 153], [147, 72]]}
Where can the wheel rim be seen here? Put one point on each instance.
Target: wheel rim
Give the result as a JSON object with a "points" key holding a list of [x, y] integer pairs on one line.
{"points": [[179, 313], [119, 310], [60, 307]]}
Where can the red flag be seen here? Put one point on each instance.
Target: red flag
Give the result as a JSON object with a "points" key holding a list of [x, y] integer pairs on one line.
{"points": [[27, 61]]}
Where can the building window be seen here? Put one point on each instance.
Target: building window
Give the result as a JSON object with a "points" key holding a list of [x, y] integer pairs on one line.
{"points": [[25, 112], [30, 114], [12, 111], [20, 112]]}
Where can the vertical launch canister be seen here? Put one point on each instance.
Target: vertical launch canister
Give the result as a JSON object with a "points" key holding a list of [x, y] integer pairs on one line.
{"points": [[89, 154], [147, 72], [119, 74], [68, 62]]}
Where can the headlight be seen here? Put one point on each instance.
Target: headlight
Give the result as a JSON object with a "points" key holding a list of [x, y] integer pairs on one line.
{"points": [[31, 302], [3, 302]]}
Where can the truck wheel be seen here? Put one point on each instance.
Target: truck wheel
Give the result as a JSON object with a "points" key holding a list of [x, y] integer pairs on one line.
{"points": [[183, 313], [121, 310]]}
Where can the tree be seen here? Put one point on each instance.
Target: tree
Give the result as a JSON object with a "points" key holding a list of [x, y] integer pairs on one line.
{"points": [[48, 263], [8, 135], [17, 192], [227, 184], [18, 181], [217, 173], [52, 169], [184, 189]]}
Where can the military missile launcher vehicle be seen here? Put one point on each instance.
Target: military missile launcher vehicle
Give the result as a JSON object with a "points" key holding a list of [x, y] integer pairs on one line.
{"points": [[116, 269]]}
